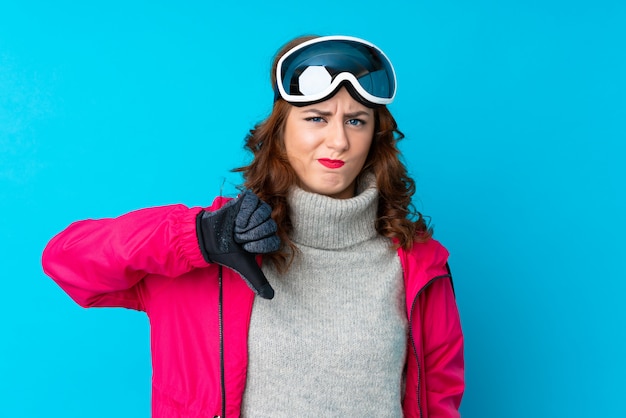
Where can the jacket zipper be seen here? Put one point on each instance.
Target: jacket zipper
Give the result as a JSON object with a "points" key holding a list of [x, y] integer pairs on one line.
{"points": [[417, 359], [221, 332], [221, 337]]}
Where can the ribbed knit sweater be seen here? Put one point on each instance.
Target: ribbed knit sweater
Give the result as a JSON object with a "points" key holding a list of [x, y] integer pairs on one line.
{"points": [[332, 342]]}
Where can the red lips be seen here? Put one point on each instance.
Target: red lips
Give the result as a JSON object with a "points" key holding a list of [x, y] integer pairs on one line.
{"points": [[328, 163]]}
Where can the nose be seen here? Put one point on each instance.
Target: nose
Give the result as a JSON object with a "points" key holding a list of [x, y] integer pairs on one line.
{"points": [[337, 137]]}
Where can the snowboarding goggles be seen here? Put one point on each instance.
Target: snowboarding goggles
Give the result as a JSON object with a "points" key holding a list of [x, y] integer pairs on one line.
{"points": [[313, 71]]}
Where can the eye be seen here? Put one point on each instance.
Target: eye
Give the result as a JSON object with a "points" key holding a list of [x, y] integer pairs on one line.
{"points": [[314, 119], [356, 122]]}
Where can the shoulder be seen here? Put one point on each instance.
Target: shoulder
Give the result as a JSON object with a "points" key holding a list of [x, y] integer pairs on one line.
{"points": [[218, 202], [423, 262], [430, 252]]}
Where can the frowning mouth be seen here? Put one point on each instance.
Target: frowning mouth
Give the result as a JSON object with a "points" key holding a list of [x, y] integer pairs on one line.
{"points": [[326, 162]]}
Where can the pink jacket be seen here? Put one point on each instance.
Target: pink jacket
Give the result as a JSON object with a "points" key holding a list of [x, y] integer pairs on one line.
{"points": [[199, 313]]}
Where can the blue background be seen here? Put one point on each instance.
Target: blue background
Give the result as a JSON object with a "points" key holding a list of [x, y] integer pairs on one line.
{"points": [[514, 114]]}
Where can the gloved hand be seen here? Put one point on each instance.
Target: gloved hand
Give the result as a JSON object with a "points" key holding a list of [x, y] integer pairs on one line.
{"points": [[231, 235]]}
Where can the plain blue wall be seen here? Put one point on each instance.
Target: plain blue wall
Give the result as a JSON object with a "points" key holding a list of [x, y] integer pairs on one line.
{"points": [[514, 114]]}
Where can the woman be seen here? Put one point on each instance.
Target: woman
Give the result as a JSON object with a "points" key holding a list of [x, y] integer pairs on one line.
{"points": [[356, 314]]}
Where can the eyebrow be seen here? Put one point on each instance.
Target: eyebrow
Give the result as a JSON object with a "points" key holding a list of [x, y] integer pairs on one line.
{"points": [[348, 115]]}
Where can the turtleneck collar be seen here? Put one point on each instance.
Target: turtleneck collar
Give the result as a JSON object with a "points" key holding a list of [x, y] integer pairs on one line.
{"points": [[324, 222]]}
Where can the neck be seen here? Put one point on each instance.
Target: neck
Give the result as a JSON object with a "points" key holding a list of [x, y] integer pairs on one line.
{"points": [[324, 222]]}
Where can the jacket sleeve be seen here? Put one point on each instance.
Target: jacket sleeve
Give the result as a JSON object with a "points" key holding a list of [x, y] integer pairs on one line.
{"points": [[443, 350], [102, 262]]}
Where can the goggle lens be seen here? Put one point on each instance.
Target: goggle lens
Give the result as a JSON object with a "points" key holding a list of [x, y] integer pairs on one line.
{"points": [[314, 70]]}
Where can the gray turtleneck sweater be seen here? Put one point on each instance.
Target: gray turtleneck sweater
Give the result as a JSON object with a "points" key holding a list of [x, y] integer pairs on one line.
{"points": [[332, 342]]}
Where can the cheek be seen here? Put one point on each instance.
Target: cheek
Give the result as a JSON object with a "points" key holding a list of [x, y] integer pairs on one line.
{"points": [[300, 147], [296, 154], [293, 151], [364, 149], [290, 141]]}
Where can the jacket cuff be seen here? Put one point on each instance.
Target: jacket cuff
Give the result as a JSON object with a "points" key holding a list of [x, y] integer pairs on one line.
{"points": [[187, 238]]}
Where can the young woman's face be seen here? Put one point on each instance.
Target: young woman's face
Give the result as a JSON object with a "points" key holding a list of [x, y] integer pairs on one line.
{"points": [[327, 144]]}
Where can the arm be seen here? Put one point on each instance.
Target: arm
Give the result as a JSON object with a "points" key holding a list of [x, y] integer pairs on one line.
{"points": [[443, 345], [102, 262]]}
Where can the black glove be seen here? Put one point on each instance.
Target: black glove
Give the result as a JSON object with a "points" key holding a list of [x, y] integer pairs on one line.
{"points": [[231, 235]]}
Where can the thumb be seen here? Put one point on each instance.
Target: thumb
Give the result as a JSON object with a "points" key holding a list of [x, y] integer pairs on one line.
{"points": [[246, 266]]}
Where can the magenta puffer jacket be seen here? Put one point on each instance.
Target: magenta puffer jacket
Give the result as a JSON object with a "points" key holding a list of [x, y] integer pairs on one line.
{"points": [[199, 313]]}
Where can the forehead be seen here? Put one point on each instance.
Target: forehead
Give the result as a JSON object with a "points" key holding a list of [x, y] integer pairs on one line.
{"points": [[341, 102]]}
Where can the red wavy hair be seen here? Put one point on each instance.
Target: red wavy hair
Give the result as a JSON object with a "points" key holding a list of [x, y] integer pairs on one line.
{"points": [[270, 176]]}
